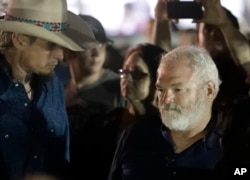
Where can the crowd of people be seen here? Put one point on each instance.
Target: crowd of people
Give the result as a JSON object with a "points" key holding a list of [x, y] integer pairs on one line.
{"points": [[164, 112]]}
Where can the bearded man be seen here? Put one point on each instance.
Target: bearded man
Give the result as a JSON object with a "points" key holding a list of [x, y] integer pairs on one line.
{"points": [[184, 140]]}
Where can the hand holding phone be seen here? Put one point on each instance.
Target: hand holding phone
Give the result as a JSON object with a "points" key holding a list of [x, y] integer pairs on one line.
{"points": [[184, 9]]}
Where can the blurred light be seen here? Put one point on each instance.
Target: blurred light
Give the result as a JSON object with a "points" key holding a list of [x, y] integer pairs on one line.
{"points": [[111, 13]]}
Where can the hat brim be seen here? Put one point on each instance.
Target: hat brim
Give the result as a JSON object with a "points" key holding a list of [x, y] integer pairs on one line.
{"points": [[78, 37]]}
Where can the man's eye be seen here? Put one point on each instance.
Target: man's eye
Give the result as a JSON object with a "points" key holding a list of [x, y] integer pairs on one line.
{"points": [[52, 45], [179, 90]]}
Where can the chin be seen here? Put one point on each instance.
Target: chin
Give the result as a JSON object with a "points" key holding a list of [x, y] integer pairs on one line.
{"points": [[141, 95], [46, 76]]}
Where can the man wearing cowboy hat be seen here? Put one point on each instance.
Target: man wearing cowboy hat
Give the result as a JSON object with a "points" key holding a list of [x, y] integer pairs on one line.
{"points": [[34, 133]]}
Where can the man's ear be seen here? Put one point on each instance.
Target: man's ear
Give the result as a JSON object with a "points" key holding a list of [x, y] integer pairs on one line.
{"points": [[211, 90], [18, 40]]}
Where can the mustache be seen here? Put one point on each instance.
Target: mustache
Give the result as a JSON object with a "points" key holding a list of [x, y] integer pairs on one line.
{"points": [[172, 107]]}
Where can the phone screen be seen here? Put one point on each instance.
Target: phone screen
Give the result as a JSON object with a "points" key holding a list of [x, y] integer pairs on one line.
{"points": [[184, 9]]}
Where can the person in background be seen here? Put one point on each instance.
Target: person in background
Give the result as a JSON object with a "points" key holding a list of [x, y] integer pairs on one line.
{"points": [[138, 77], [236, 139], [183, 142], [86, 68], [34, 131], [227, 23], [211, 37], [92, 96], [237, 43]]}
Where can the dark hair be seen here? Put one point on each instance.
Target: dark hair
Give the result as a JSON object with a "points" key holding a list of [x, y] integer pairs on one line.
{"points": [[6, 40], [97, 28], [150, 54]]}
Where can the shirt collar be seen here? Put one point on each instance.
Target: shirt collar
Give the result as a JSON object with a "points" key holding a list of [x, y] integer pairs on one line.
{"points": [[211, 139]]}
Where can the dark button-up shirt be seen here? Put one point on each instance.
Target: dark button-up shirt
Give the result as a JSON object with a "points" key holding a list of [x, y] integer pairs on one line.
{"points": [[34, 135], [146, 152]]}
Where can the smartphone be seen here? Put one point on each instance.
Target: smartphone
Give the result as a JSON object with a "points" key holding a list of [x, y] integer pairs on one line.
{"points": [[184, 9]]}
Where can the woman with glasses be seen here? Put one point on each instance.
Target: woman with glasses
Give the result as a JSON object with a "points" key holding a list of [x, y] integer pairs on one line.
{"points": [[138, 77]]}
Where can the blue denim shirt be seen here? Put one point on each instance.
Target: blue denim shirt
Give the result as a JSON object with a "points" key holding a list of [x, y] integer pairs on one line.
{"points": [[34, 135]]}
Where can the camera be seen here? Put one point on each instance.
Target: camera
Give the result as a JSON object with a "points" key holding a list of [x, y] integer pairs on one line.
{"points": [[184, 9]]}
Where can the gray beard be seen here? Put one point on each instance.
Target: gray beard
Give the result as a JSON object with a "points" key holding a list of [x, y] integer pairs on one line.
{"points": [[179, 119]]}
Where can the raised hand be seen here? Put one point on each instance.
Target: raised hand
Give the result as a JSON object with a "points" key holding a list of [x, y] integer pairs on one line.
{"points": [[161, 11], [214, 13]]}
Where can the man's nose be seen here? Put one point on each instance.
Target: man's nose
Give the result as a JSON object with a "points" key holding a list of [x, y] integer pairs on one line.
{"points": [[168, 97]]}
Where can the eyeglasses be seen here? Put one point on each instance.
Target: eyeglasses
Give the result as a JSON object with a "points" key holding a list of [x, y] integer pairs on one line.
{"points": [[136, 74]]}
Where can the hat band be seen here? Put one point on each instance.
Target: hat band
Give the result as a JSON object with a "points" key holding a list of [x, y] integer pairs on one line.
{"points": [[51, 26]]}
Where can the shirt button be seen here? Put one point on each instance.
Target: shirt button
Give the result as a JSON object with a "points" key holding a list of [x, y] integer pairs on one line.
{"points": [[174, 173], [25, 104], [6, 136], [52, 130], [16, 84], [35, 157]]}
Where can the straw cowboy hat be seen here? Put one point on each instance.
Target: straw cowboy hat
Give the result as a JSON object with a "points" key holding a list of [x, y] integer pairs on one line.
{"points": [[49, 20]]}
